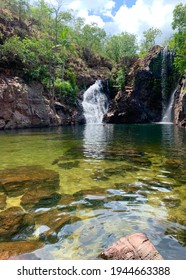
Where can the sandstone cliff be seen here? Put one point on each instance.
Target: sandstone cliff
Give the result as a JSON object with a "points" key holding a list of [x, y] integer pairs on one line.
{"points": [[141, 100], [24, 105], [180, 103]]}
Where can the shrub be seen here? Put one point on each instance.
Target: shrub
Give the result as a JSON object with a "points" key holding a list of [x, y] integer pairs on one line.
{"points": [[63, 88]]}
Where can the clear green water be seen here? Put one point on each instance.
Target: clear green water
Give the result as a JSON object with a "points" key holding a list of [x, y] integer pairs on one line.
{"points": [[115, 179]]}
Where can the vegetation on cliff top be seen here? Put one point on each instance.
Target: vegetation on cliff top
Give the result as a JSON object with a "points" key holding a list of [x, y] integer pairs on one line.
{"points": [[41, 39]]}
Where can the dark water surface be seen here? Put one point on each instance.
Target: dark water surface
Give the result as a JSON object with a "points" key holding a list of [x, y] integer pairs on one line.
{"points": [[114, 180]]}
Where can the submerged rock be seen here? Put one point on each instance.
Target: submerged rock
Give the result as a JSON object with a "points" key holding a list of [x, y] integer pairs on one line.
{"points": [[15, 182], [14, 221], [99, 175], [51, 223], [2, 201], [114, 171], [68, 165], [173, 164], [15, 248], [128, 188], [133, 247], [178, 233], [33, 199]]}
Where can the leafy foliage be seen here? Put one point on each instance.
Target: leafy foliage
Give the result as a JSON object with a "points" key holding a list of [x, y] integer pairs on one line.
{"points": [[179, 18], [120, 78], [63, 87], [149, 40], [120, 46], [178, 42]]}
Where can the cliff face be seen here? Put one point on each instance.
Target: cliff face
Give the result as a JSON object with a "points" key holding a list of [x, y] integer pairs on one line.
{"points": [[28, 105], [142, 100], [180, 103]]}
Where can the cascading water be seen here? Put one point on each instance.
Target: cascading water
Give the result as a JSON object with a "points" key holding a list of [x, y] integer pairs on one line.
{"points": [[167, 103], [168, 115], [95, 103], [164, 79]]}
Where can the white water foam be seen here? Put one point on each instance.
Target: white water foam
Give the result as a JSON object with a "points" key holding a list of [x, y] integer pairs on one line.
{"points": [[95, 103]]}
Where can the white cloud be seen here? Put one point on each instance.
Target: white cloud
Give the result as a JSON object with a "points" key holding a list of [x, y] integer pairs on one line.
{"points": [[90, 18], [93, 5], [136, 19], [96, 7], [145, 14]]}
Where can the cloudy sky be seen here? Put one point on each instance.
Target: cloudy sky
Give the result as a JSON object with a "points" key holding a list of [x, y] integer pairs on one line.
{"points": [[134, 16]]}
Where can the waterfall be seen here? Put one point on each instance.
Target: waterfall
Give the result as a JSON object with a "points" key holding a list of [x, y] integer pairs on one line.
{"points": [[167, 102], [164, 79], [95, 103], [168, 115]]}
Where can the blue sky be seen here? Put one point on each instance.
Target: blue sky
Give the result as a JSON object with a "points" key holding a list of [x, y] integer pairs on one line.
{"points": [[133, 16], [119, 3]]}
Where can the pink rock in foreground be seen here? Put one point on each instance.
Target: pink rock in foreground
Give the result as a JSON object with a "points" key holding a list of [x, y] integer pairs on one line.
{"points": [[132, 247]]}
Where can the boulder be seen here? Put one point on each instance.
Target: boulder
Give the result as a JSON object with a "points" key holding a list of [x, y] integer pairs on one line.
{"points": [[14, 221], [132, 247]]}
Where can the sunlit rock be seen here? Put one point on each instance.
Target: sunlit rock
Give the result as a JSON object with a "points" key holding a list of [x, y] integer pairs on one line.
{"points": [[133, 247], [180, 103], [14, 221]]}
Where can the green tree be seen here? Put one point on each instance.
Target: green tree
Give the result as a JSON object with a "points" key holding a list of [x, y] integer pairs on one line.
{"points": [[150, 36], [57, 19], [12, 51], [22, 9], [10, 4], [92, 37], [41, 16], [123, 45], [179, 18], [178, 43]]}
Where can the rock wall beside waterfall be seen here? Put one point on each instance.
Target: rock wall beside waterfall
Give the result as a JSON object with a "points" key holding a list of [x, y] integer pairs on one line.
{"points": [[141, 100], [180, 103], [25, 105]]}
